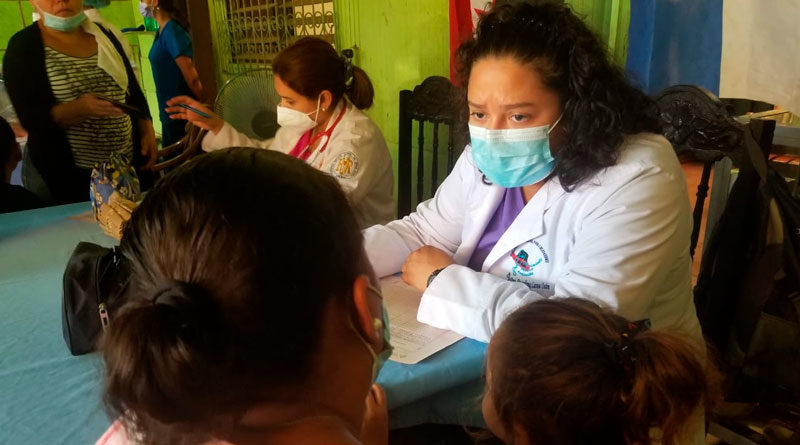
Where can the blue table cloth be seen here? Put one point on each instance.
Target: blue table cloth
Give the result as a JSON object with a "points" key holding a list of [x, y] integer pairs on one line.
{"points": [[49, 396]]}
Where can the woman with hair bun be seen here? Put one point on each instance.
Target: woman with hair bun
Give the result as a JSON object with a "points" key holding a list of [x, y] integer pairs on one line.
{"points": [[322, 95], [250, 318]]}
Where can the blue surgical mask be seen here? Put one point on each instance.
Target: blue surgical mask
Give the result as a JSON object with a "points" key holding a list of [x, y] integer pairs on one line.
{"points": [[380, 359], [65, 24], [146, 11], [513, 157]]}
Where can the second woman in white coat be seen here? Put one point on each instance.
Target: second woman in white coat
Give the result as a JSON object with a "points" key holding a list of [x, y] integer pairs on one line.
{"points": [[567, 189], [322, 95]]}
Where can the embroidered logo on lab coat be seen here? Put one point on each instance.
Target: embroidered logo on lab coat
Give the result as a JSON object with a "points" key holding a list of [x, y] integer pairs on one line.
{"points": [[526, 260], [521, 265], [345, 165]]}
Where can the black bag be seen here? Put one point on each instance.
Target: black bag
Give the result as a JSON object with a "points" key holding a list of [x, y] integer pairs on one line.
{"points": [[748, 290], [95, 283]]}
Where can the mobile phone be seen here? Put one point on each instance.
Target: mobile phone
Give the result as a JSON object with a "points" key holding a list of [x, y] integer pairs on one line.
{"points": [[133, 111]]}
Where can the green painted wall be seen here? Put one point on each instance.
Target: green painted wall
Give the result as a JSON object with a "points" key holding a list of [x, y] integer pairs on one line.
{"points": [[142, 41], [610, 20], [398, 43], [14, 15]]}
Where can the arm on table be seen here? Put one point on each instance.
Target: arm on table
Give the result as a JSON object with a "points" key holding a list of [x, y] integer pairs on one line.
{"points": [[437, 222]]}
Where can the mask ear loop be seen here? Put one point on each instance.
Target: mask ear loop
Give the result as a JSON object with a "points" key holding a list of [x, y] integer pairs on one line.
{"points": [[377, 323], [319, 101], [552, 127]]}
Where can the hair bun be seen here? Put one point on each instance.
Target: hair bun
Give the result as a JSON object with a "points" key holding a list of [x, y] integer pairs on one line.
{"points": [[189, 303], [173, 293]]}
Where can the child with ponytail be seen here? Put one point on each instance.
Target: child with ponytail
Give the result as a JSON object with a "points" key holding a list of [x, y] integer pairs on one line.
{"points": [[565, 371]]}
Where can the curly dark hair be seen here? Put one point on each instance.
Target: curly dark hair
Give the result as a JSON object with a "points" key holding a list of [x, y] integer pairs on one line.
{"points": [[600, 107]]}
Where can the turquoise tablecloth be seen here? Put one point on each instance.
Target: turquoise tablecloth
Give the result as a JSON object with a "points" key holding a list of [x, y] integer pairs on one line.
{"points": [[48, 396]]}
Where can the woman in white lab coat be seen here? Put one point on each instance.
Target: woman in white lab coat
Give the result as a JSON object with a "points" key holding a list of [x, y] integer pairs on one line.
{"points": [[322, 95], [567, 189]]}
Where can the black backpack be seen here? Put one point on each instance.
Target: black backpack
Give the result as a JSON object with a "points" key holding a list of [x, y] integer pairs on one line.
{"points": [[748, 291], [95, 283]]}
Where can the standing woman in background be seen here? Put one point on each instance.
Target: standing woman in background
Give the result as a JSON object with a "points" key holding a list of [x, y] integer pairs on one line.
{"points": [[62, 74], [171, 60]]}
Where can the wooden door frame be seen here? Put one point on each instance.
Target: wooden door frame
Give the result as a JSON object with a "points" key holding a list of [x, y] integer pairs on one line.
{"points": [[200, 19]]}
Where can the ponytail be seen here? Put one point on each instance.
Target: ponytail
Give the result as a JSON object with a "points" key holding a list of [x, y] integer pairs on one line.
{"points": [[668, 384], [311, 65], [570, 372], [360, 91]]}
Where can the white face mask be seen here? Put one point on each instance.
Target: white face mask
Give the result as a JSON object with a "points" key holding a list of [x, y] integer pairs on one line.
{"points": [[297, 120]]}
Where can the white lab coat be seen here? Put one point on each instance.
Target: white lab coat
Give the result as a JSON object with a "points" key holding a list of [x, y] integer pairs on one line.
{"points": [[620, 239], [356, 155]]}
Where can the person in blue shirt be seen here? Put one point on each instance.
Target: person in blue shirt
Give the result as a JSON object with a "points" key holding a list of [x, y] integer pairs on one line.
{"points": [[171, 58]]}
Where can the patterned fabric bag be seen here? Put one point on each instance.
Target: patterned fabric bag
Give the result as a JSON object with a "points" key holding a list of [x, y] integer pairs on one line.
{"points": [[115, 193]]}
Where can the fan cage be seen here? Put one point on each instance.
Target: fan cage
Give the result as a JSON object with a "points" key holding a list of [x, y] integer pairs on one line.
{"points": [[248, 102]]}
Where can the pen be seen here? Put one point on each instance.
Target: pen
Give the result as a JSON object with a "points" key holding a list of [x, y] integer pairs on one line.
{"points": [[195, 110]]}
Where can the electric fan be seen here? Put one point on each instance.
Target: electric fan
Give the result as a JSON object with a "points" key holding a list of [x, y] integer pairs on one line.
{"points": [[248, 102]]}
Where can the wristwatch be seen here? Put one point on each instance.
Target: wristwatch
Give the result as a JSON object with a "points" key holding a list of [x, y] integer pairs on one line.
{"points": [[433, 275]]}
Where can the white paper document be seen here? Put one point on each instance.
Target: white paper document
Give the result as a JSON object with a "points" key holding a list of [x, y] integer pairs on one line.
{"points": [[413, 341]]}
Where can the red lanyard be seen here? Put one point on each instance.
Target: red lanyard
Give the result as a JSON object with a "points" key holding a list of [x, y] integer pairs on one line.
{"points": [[325, 133]]}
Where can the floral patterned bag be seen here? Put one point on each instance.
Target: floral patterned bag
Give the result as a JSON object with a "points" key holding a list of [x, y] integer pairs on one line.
{"points": [[115, 193]]}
